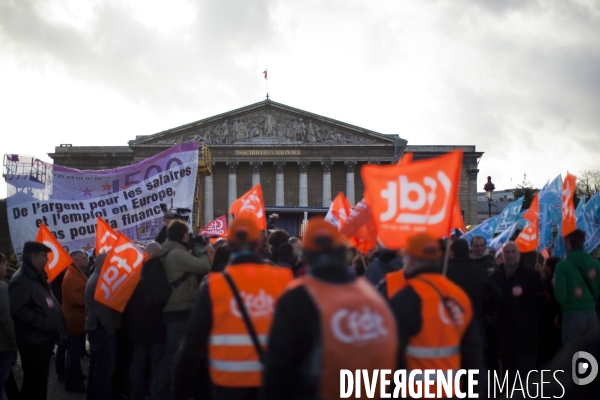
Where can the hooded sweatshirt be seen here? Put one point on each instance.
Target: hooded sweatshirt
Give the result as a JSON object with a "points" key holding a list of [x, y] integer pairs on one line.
{"points": [[575, 276]]}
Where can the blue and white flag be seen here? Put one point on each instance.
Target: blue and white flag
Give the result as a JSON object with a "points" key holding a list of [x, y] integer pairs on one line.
{"points": [[559, 249], [592, 211], [550, 211], [509, 215], [580, 215], [499, 240], [485, 229]]}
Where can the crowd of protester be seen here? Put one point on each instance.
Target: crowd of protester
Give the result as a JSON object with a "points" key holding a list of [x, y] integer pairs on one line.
{"points": [[248, 316]]}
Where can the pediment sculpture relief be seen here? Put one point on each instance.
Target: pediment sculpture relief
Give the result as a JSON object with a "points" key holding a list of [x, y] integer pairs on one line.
{"points": [[269, 128]]}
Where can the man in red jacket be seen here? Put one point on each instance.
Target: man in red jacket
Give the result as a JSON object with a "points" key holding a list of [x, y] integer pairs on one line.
{"points": [[73, 290]]}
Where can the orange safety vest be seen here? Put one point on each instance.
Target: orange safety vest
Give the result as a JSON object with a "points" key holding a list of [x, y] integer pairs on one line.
{"points": [[394, 282], [233, 360], [358, 331], [444, 322]]}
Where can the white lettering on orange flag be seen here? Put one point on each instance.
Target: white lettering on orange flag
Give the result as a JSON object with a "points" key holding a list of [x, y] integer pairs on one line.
{"points": [[120, 274], [215, 228], [529, 237], [412, 198], [58, 259], [569, 222], [105, 237], [251, 205], [339, 211]]}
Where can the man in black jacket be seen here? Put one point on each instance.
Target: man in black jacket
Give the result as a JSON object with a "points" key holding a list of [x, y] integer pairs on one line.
{"points": [[481, 255], [38, 317], [517, 326]]}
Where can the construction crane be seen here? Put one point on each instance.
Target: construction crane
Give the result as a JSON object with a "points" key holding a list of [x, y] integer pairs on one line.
{"points": [[204, 169]]}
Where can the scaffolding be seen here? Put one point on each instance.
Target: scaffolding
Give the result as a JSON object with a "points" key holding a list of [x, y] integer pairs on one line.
{"points": [[204, 169]]}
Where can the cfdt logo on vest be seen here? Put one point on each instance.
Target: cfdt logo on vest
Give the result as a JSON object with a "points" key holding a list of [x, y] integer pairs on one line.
{"points": [[258, 305], [357, 326]]}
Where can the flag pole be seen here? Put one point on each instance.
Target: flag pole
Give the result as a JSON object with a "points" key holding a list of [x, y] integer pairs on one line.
{"points": [[446, 256]]}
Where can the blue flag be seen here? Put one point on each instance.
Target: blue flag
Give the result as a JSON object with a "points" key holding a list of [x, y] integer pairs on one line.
{"points": [[485, 229], [499, 240], [550, 211], [509, 215]]}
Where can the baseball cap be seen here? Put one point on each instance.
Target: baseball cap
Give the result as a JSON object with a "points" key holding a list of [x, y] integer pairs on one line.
{"points": [[243, 230], [423, 245], [321, 236]]}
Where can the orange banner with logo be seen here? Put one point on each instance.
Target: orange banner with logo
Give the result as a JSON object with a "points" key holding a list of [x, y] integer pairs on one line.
{"points": [[568, 209], [105, 237], [120, 274], [413, 198], [251, 205], [340, 209], [457, 219], [529, 237], [59, 258]]}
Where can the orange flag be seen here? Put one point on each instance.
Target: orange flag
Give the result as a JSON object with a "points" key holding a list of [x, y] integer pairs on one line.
{"points": [[568, 209], [413, 198], [406, 159], [457, 218], [529, 237], [105, 237], [59, 259], [339, 211], [251, 205], [120, 274]]}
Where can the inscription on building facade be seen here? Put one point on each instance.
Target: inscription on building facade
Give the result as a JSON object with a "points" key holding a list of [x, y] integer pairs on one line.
{"points": [[267, 152]]}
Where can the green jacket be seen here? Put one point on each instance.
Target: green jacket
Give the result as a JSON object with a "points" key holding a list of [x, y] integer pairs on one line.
{"points": [[571, 291], [178, 262]]}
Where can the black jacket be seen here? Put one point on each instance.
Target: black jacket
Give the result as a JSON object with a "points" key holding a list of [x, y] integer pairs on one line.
{"points": [[385, 262], [523, 295], [37, 314], [486, 263], [478, 285], [144, 323]]}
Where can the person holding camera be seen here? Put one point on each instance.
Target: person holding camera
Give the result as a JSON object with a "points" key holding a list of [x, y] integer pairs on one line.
{"points": [[184, 263]]}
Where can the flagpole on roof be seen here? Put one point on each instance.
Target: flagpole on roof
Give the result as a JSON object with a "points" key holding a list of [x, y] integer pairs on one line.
{"points": [[267, 83]]}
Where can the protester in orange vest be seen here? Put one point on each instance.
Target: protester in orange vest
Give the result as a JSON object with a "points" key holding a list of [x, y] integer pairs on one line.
{"points": [[392, 283], [434, 316], [316, 330], [218, 328]]}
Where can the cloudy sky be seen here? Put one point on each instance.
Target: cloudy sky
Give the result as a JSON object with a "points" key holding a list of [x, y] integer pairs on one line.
{"points": [[519, 79]]}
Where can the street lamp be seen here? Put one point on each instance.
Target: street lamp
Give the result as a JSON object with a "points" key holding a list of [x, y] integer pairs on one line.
{"points": [[489, 189]]}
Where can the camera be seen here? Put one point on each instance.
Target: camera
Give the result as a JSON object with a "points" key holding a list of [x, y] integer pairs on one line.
{"points": [[182, 214]]}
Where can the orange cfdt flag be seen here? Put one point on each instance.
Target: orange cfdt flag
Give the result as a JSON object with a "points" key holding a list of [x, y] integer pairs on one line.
{"points": [[251, 205], [413, 198], [457, 219], [568, 209], [105, 237], [120, 274], [406, 159], [58, 259], [528, 239], [340, 209]]}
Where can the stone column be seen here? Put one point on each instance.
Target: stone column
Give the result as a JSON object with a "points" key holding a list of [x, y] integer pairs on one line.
{"points": [[279, 184], [350, 165], [303, 192], [255, 172], [208, 199], [327, 182], [232, 192]]}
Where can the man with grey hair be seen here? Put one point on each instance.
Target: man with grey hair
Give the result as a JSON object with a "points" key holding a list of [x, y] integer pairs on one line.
{"points": [[101, 323], [523, 295], [153, 249]]}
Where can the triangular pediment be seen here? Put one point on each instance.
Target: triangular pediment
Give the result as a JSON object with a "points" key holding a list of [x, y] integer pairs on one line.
{"points": [[268, 123]]}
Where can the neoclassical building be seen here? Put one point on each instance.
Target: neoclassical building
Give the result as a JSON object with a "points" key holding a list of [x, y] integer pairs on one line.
{"points": [[301, 159]]}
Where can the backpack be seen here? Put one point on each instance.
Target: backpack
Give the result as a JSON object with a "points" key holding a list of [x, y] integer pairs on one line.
{"points": [[157, 288]]}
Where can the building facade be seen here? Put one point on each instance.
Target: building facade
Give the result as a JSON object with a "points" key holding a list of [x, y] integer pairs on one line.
{"points": [[301, 159]]}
